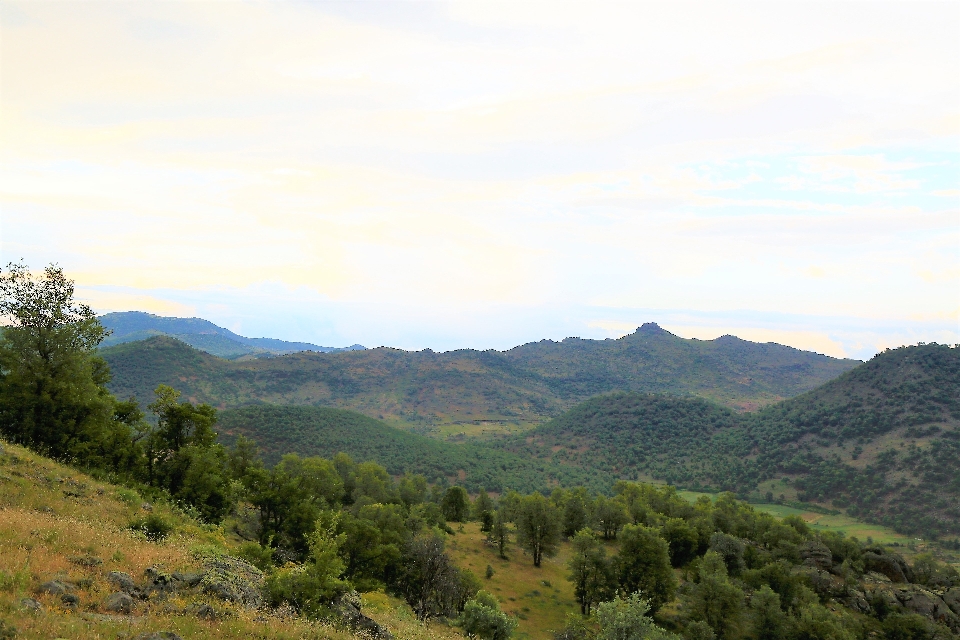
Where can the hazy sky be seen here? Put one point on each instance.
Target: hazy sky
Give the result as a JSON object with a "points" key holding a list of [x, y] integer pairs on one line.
{"points": [[477, 174]]}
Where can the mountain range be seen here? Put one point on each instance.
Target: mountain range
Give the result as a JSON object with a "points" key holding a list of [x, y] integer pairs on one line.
{"points": [[524, 385], [131, 326]]}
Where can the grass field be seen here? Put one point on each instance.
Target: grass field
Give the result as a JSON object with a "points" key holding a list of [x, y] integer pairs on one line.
{"points": [[846, 524], [539, 598]]}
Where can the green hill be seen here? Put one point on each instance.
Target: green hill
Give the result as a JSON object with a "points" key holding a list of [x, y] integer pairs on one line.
{"points": [[524, 385], [882, 441], [131, 326], [318, 431]]}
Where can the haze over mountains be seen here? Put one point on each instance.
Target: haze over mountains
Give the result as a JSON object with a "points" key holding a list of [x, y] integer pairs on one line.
{"points": [[130, 326]]}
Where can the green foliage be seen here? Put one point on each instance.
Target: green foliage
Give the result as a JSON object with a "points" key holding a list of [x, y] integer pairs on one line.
{"points": [[53, 394], [456, 505], [153, 526], [538, 527], [482, 618], [643, 564], [625, 618], [429, 581], [590, 571], [714, 599]]}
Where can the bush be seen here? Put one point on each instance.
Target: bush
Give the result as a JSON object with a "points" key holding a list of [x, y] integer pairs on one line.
{"points": [[260, 557], [153, 526], [482, 618]]}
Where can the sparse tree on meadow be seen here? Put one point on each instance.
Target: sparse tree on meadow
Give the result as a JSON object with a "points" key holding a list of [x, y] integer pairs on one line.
{"points": [[538, 527]]}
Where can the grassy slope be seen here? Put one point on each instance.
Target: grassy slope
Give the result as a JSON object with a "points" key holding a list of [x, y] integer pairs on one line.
{"points": [[882, 440], [50, 513], [450, 393]]}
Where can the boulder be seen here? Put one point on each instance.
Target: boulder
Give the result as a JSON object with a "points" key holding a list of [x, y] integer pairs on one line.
{"points": [[123, 582], [69, 600], [188, 580], [119, 602], [347, 606], [158, 580], [952, 599], [816, 554], [55, 587], [233, 580], [202, 611], [916, 599], [891, 565], [31, 604]]}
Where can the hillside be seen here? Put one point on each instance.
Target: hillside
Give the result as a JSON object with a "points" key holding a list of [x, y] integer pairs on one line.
{"points": [[317, 431], [882, 441], [130, 326], [524, 385], [62, 530]]}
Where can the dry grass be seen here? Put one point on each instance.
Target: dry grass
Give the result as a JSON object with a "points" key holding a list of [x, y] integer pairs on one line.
{"points": [[52, 518], [540, 597]]}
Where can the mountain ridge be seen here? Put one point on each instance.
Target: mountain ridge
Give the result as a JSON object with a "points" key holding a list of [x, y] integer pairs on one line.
{"points": [[132, 326]]}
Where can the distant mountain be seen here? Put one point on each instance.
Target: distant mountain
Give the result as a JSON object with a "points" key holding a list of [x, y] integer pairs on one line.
{"points": [[881, 440], [524, 385], [130, 326]]}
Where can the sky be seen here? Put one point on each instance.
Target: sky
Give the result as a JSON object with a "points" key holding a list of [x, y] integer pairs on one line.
{"points": [[480, 174]]}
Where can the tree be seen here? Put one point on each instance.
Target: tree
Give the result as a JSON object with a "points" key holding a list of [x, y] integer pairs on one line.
{"points": [[590, 571], [643, 564], [538, 527], [714, 600], [428, 579], [609, 515], [576, 512], [482, 618], [769, 621], [499, 533], [53, 394], [483, 508], [456, 504], [627, 619]]}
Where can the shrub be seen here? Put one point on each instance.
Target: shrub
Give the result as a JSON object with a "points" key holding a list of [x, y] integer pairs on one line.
{"points": [[153, 526], [482, 618]]}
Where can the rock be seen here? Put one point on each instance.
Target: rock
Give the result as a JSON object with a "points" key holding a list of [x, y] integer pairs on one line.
{"points": [[233, 580], [825, 584], [69, 600], [952, 599], [158, 580], [55, 587], [157, 635], [857, 600], [186, 579], [816, 554], [347, 606], [889, 564], [146, 506], [119, 602], [916, 599], [31, 604], [123, 582], [203, 611]]}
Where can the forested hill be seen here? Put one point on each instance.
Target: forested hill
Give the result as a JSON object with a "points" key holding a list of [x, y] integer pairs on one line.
{"points": [[129, 326], [882, 441], [526, 384]]}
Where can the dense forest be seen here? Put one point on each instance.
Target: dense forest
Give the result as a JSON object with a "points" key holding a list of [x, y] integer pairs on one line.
{"points": [[524, 385], [881, 441]]}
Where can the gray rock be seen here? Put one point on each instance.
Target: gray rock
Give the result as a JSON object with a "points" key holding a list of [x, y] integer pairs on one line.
{"points": [[203, 611], [157, 635], [233, 580], [347, 606], [928, 604], [816, 554], [119, 602], [891, 565], [122, 581], [146, 506], [30, 603], [188, 580], [55, 587], [86, 561], [158, 580]]}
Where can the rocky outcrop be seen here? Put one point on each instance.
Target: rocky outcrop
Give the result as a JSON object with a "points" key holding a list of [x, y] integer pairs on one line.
{"points": [[892, 565], [233, 580], [816, 554], [119, 602], [347, 607], [912, 598]]}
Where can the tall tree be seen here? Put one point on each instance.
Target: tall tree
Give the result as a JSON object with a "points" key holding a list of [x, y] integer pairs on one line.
{"points": [[538, 527], [499, 533], [456, 504], [53, 393], [643, 564], [590, 571]]}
